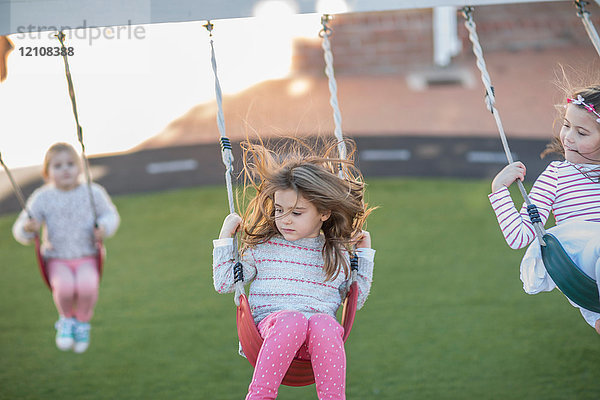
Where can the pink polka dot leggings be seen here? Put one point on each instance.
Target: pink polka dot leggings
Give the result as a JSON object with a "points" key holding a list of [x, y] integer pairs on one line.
{"points": [[288, 334]]}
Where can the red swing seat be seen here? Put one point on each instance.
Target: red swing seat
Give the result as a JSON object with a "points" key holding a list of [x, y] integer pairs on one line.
{"points": [[43, 266], [300, 372]]}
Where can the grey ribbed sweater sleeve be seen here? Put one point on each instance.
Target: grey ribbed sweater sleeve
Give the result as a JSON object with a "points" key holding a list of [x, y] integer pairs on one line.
{"points": [[68, 220], [108, 217], [364, 279], [223, 263], [36, 210]]}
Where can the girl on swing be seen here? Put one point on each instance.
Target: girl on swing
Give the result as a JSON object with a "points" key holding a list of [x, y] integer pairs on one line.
{"points": [[570, 189], [63, 208], [297, 233]]}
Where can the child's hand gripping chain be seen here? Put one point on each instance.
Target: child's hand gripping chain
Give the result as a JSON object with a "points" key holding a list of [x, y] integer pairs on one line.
{"points": [[230, 226], [509, 175]]}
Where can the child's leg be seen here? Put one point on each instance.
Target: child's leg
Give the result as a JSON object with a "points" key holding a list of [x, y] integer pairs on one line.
{"points": [[327, 355], [283, 333], [86, 289], [62, 281]]}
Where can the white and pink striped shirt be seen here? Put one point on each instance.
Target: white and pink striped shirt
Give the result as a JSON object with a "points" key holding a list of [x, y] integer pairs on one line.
{"points": [[288, 275], [570, 191]]}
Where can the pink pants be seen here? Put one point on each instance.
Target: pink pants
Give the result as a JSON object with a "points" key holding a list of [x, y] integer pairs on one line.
{"points": [[74, 286], [288, 334]]}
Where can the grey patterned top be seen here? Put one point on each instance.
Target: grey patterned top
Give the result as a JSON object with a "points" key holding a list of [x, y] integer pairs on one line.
{"points": [[286, 275], [68, 220]]}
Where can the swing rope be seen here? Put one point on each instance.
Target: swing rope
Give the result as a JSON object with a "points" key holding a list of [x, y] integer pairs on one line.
{"points": [[227, 158], [61, 37], [38, 253], [16, 188], [337, 115], [587, 23], [325, 33], [490, 101]]}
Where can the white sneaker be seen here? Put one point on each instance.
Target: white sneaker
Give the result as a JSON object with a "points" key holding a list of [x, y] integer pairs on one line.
{"points": [[64, 333], [81, 335]]}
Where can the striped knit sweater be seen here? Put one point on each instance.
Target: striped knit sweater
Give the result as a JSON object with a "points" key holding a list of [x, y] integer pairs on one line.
{"points": [[562, 188], [288, 275]]}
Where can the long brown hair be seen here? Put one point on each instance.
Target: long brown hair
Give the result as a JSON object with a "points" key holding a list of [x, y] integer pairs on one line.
{"points": [[571, 88], [298, 166]]}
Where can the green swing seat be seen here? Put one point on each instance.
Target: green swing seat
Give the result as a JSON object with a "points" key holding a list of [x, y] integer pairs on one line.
{"points": [[570, 279], [580, 288]]}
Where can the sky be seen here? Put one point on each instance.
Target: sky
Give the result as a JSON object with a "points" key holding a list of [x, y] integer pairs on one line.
{"points": [[131, 87]]}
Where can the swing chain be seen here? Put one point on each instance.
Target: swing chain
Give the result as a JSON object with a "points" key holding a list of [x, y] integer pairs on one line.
{"points": [[587, 22], [536, 220], [353, 271], [86, 165], [326, 31], [225, 143], [468, 12], [227, 154], [238, 272], [227, 158], [489, 102], [354, 263], [534, 214], [16, 188], [580, 4], [61, 37], [490, 97], [209, 27]]}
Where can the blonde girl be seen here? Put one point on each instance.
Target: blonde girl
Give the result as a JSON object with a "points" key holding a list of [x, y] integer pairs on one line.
{"points": [[63, 210], [298, 230]]}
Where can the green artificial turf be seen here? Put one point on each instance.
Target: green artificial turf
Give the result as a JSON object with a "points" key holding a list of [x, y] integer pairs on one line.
{"points": [[446, 317]]}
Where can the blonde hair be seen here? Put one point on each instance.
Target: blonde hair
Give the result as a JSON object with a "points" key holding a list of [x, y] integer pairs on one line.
{"points": [[314, 177], [55, 149], [578, 84]]}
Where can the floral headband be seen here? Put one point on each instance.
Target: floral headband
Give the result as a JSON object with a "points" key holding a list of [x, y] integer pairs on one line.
{"points": [[580, 101]]}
